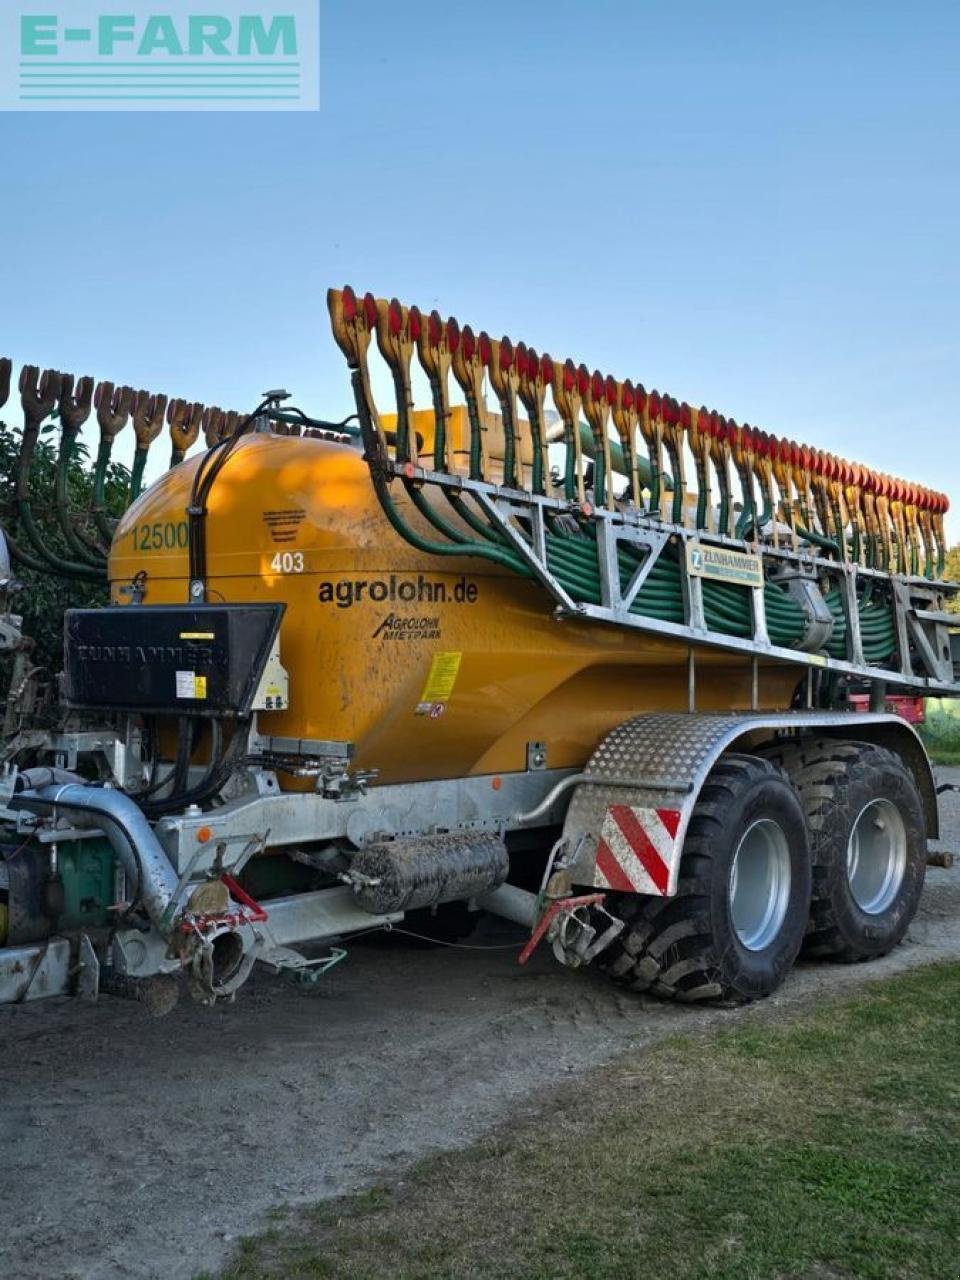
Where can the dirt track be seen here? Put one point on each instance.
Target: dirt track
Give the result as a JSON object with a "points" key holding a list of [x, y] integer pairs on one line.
{"points": [[139, 1148]]}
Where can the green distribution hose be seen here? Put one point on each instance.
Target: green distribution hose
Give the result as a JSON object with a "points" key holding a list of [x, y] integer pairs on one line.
{"points": [[572, 558]]}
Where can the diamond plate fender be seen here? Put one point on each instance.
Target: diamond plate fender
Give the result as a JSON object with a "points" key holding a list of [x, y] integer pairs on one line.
{"points": [[627, 821]]}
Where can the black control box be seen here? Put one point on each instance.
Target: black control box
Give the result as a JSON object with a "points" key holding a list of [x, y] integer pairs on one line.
{"points": [[203, 660]]}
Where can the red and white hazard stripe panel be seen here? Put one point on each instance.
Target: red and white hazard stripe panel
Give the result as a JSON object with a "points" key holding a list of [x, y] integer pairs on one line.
{"points": [[637, 849]]}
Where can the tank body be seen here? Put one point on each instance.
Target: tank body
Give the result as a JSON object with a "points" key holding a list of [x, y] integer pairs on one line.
{"points": [[432, 667]]}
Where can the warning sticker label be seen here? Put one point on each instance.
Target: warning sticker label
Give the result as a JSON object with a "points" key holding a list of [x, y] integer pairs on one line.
{"points": [[283, 525], [190, 685], [724, 565], [438, 688]]}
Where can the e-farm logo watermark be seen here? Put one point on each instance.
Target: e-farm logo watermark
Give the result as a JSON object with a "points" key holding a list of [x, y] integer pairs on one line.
{"points": [[162, 55]]}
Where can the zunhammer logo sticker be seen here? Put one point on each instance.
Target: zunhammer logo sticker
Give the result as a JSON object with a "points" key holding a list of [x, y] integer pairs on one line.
{"points": [[724, 565]]}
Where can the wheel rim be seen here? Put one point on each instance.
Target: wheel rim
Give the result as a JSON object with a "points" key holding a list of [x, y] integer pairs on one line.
{"points": [[876, 856], [759, 889]]}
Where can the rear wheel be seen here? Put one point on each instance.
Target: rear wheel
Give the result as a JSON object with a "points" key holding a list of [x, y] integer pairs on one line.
{"points": [[735, 926], [868, 845]]}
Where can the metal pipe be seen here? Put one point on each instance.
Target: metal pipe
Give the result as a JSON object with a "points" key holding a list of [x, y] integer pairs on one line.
{"points": [[130, 835], [597, 780], [554, 435], [518, 905]]}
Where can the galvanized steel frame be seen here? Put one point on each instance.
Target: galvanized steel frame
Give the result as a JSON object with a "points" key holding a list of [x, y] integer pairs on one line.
{"points": [[521, 518]]}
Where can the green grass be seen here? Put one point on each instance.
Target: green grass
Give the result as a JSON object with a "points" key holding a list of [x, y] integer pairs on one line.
{"points": [[941, 730], [825, 1147]]}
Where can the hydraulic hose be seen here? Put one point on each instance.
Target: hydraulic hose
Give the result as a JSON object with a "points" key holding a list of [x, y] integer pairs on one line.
{"points": [[62, 504], [69, 568], [98, 504]]}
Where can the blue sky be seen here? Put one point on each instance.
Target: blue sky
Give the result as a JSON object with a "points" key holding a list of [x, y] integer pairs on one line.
{"points": [[752, 205]]}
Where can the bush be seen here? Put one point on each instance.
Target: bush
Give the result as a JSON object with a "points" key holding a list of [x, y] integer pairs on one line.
{"points": [[44, 597]]}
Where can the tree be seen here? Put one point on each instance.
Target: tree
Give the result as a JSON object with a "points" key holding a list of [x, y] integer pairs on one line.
{"points": [[43, 598], [951, 570]]}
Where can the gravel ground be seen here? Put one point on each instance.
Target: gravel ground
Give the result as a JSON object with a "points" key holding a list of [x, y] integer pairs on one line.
{"points": [[135, 1148]]}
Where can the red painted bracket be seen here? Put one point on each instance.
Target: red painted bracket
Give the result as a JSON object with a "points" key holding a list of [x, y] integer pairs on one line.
{"points": [[551, 913], [250, 911]]}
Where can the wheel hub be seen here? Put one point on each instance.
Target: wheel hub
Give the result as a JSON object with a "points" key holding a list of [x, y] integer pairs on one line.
{"points": [[759, 889], [876, 856]]}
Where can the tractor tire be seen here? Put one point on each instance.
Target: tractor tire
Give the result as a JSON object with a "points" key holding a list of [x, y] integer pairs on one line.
{"points": [[736, 924], [868, 845]]}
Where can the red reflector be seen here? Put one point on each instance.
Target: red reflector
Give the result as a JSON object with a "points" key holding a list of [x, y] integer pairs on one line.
{"points": [[468, 343], [370, 309], [453, 334], [415, 324], [349, 302], [483, 345], [434, 327]]}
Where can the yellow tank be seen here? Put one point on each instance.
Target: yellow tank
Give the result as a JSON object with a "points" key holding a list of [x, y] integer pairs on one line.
{"points": [[431, 667]]}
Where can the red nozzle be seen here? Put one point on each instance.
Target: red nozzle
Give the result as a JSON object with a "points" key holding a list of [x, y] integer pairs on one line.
{"points": [[395, 317]]}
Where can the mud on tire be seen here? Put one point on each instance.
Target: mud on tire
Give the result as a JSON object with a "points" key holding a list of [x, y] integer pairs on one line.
{"points": [[867, 842], [691, 947]]}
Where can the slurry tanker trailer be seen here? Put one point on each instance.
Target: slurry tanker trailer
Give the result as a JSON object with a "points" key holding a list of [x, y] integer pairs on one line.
{"points": [[551, 646]]}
